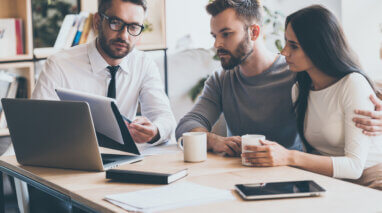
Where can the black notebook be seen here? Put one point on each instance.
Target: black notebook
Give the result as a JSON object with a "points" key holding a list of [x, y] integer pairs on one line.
{"points": [[134, 176]]}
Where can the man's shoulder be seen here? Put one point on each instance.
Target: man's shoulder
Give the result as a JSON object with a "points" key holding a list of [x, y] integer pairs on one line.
{"points": [[223, 73], [76, 53], [138, 55]]}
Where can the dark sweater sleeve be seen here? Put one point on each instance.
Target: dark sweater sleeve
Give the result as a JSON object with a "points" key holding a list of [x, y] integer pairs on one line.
{"points": [[207, 109]]}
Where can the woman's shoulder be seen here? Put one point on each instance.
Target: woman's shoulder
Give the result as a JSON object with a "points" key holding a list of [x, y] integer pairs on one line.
{"points": [[355, 82], [355, 78], [356, 89]]}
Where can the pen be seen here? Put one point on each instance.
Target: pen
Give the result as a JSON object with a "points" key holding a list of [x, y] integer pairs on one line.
{"points": [[126, 119]]}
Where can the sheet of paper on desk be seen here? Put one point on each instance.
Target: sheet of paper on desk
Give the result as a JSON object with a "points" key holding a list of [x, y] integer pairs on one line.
{"points": [[169, 197], [166, 148]]}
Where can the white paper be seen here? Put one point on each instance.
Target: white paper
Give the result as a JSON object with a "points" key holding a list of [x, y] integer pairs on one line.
{"points": [[168, 197], [167, 148]]}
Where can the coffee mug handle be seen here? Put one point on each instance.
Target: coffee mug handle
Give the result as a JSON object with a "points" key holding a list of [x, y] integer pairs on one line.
{"points": [[180, 140]]}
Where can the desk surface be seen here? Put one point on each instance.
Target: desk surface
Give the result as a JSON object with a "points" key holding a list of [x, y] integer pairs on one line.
{"points": [[89, 188]]}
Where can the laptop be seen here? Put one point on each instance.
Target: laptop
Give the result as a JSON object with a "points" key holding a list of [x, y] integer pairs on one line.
{"points": [[57, 134]]}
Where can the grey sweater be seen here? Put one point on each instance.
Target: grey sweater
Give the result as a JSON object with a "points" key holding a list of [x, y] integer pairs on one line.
{"points": [[261, 104]]}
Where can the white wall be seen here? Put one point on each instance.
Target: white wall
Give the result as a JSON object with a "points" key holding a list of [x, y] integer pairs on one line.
{"points": [[188, 17], [361, 21], [290, 6]]}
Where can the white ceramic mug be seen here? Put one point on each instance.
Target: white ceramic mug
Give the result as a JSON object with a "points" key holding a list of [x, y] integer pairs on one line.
{"points": [[250, 140], [194, 146]]}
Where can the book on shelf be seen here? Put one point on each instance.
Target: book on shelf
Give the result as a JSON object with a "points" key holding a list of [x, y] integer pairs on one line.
{"points": [[87, 28], [11, 37], [80, 28], [64, 31], [19, 37], [150, 177], [5, 83], [75, 29], [72, 32], [11, 86]]}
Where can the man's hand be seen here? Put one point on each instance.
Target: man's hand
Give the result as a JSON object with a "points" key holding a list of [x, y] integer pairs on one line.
{"points": [[230, 145], [143, 131], [372, 125]]}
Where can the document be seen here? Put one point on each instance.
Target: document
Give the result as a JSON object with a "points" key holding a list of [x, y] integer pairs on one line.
{"points": [[167, 148], [169, 197]]}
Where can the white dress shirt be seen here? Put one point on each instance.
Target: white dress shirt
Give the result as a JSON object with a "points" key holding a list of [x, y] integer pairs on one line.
{"points": [[329, 128], [83, 68]]}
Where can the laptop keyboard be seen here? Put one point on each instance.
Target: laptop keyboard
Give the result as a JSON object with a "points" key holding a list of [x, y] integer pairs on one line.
{"points": [[115, 158], [108, 158]]}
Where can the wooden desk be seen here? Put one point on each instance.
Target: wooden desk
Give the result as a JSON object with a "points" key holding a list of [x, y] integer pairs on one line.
{"points": [[87, 189]]}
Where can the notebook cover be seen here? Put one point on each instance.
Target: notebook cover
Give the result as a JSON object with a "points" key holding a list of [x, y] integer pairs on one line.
{"points": [[134, 176]]}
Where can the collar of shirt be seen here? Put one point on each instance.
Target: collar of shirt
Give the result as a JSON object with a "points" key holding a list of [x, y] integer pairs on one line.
{"points": [[99, 64]]}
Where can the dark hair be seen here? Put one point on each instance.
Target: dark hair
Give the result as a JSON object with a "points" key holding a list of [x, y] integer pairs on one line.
{"points": [[248, 10], [321, 37], [105, 4]]}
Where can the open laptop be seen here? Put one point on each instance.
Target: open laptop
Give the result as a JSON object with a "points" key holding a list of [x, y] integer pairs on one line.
{"points": [[57, 134]]}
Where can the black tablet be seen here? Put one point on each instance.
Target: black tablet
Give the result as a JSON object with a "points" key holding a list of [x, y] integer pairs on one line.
{"points": [[257, 191], [109, 123]]}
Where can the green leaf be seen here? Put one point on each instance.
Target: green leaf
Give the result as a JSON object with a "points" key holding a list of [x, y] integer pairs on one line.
{"points": [[279, 45], [197, 89]]}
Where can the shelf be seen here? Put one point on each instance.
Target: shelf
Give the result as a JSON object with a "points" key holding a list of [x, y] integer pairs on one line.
{"points": [[17, 58], [4, 132], [25, 69]]}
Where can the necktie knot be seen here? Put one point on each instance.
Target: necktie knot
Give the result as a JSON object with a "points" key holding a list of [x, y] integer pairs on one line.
{"points": [[113, 70]]}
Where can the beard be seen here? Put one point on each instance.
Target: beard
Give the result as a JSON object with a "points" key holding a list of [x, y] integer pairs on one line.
{"points": [[239, 55], [107, 46]]}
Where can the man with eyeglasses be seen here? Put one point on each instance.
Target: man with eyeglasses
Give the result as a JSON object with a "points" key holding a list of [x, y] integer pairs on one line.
{"points": [[111, 66]]}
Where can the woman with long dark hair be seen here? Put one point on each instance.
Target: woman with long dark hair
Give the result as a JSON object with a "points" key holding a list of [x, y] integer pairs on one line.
{"points": [[330, 87]]}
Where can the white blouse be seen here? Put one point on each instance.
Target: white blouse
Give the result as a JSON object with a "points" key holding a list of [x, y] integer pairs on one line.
{"points": [[329, 128]]}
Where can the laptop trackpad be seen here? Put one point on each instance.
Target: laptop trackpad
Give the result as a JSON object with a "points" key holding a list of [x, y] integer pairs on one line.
{"points": [[110, 160]]}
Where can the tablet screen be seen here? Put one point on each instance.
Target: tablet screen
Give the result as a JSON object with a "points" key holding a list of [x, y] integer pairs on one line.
{"points": [[102, 113], [276, 188]]}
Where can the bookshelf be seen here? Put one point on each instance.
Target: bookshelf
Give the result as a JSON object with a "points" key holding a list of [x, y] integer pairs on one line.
{"points": [[19, 9], [23, 64]]}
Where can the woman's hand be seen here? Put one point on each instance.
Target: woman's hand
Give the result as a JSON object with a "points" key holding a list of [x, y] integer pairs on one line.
{"points": [[269, 154]]}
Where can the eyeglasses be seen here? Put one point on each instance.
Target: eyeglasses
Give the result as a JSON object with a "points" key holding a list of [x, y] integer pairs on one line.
{"points": [[116, 24]]}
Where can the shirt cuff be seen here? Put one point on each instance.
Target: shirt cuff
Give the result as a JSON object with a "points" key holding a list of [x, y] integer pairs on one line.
{"points": [[186, 127], [164, 137]]}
